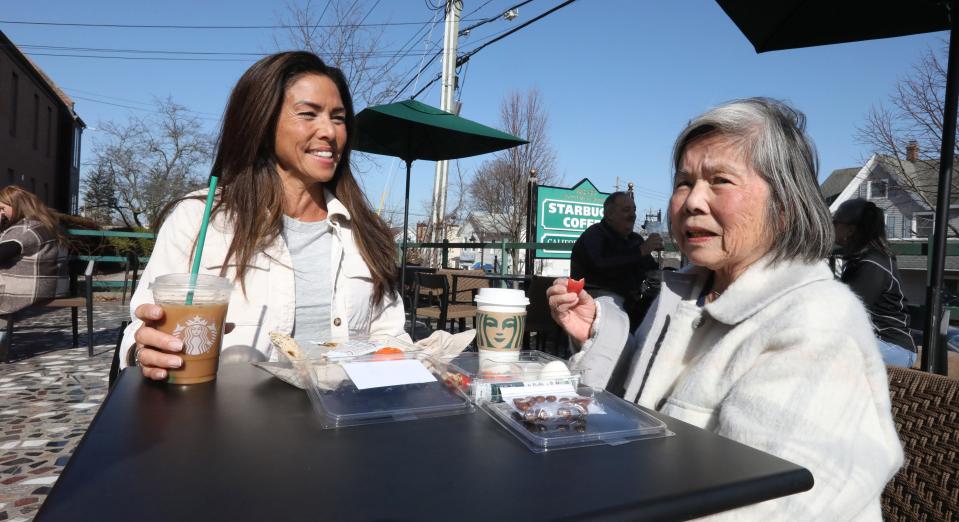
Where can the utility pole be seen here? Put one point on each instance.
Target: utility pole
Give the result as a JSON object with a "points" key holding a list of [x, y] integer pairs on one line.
{"points": [[448, 87], [530, 220]]}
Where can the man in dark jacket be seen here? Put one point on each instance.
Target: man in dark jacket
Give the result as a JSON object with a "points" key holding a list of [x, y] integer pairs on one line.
{"points": [[614, 259]]}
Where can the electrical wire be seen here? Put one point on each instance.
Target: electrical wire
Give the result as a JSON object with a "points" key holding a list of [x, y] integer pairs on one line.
{"points": [[205, 27], [154, 58], [484, 4], [147, 105], [207, 118], [440, 52], [464, 32], [465, 57]]}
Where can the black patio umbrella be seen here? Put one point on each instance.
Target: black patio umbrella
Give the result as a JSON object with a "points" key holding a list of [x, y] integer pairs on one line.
{"points": [[772, 25], [411, 130]]}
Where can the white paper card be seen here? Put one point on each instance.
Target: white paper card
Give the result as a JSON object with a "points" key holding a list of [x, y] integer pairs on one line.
{"points": [[562, 389], [379, 374]]}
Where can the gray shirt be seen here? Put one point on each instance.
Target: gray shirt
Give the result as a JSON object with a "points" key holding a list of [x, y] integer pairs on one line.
{"points": [[309, 245]]}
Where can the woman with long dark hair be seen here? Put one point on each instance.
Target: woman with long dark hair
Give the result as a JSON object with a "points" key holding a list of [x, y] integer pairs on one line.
{"points": [[290, 224], [871, 272], [33, 254]]}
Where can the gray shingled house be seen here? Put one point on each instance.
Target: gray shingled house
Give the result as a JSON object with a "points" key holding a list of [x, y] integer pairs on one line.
{"points": [[906, 189]]}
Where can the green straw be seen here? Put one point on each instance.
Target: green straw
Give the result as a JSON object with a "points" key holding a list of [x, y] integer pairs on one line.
{"points": [[201, 239]]}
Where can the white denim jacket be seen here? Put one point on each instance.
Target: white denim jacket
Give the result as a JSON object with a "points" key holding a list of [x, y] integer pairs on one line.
{"points": [[268, 305]]}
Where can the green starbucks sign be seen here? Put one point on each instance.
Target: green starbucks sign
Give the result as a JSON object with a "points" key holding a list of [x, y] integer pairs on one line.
{"points": [[564, 213]]}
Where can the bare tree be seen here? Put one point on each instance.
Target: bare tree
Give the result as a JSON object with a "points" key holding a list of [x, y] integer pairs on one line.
{"points": [[337, 34], [144, 163], [499, 186], [913, 117]]}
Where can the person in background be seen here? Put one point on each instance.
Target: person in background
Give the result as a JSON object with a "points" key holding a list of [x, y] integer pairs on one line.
{"points": [[614, 259], [290, 225], [870, 270], [33, 253], [755, 340]]}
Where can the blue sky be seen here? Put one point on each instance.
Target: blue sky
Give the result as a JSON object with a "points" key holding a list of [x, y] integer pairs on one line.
{"points": [[619, 77]]}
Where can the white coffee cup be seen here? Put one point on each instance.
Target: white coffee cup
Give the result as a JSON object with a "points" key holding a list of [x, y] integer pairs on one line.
{"points": [[500, 325]]}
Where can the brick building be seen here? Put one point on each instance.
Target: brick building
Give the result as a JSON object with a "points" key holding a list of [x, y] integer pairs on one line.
{"points": [[39, 132]]}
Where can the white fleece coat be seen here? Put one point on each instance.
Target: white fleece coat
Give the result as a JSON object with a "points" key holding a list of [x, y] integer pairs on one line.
{"points": [[784, 361], [269, 302]]}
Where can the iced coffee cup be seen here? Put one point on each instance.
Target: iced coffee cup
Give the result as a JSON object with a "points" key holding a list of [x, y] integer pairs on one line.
{"points": [[500, 324], [195, 314]]}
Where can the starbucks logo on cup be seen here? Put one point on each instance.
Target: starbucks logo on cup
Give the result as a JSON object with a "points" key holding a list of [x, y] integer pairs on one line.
{"points": [[499, 331], [198, 335]]}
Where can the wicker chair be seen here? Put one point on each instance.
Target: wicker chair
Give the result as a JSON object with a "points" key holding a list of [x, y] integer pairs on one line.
{"points": [[926, 411]]}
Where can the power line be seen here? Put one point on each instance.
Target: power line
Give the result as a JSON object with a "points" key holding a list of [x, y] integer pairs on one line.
{"points": [[154, 58], [142, 109], [207, 27], [440, 52], [386, 53], [465, 57], [484, 4], [147, 105], [464, 32], [406, 50]]}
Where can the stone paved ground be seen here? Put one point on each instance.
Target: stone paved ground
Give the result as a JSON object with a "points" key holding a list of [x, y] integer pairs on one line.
{"points": [[48, 396]]}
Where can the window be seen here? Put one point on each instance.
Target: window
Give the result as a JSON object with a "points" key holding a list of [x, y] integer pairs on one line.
{"points": [[76, 146], [922, 224], [49, 129], [878, 189], [892, 222], [36, 120], [14, 93]]}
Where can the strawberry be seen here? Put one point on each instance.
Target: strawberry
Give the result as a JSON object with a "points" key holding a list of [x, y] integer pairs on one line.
{"points": [[575, 285]]}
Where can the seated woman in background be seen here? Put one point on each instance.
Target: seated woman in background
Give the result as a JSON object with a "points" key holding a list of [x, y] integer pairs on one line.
{"points": [[33, 255], [871, 272], [290, 225], [755, 341]]}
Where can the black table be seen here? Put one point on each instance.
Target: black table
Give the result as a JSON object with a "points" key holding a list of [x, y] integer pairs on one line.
{"points": [[247, 447]]}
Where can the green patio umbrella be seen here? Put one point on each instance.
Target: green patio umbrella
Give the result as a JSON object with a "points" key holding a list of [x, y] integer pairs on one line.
{"points": [[411, 130]]}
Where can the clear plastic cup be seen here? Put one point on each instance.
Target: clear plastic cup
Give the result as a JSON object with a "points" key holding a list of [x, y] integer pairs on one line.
{"points": [[199, 324]]}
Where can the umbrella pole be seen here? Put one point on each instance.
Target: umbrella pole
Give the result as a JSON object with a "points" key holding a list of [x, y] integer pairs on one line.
{"points": [[406, 218], [933, 353]]}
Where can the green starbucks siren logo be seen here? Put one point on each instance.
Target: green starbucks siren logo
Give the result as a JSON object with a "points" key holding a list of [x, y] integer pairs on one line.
{"points": [[500, 331]]}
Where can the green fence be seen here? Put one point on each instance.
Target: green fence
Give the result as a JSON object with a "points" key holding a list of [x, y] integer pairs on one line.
{"points": [[899, 247]]}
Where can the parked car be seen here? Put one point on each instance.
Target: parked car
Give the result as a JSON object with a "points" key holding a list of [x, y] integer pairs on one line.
{"points": [[488, 268]]}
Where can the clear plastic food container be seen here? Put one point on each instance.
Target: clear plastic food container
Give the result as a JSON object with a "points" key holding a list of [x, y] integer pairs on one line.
{"points": [[567, 417], [379, 388], [482, 380]]}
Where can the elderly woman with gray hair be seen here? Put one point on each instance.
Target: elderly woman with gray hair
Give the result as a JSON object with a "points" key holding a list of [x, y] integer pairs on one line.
{"points": [[755, 340]]}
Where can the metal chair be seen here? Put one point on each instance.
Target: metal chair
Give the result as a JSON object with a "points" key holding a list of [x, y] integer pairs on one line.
{"points": [[130, 273], [77, 298], [925, 407], [550, 337], [434, 290]]}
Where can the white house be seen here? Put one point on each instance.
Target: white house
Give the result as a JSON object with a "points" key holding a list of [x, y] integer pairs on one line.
{"points": [[899, 187]]}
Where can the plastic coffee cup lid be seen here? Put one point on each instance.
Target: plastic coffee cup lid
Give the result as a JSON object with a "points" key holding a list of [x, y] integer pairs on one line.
{"points": [[501, 297], [180, 281]]}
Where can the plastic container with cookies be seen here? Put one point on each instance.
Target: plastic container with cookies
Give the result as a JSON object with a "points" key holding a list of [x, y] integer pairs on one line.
{"points": [[550, 418]]}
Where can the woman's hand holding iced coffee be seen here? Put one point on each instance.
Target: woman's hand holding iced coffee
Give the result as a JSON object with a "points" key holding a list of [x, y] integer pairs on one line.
{"points": [[155, 350], [574, 312]]}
